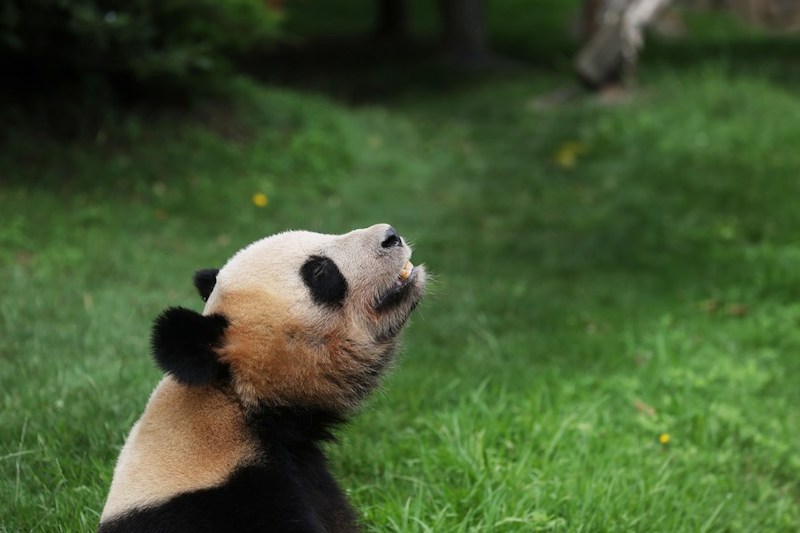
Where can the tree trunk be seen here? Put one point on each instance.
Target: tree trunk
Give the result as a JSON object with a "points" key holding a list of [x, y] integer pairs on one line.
{"points": [[599, 62], [464, 32], [391, 19], [612, 50]]}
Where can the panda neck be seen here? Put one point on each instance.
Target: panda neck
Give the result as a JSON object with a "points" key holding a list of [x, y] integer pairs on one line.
{"points": [[294, 429]]}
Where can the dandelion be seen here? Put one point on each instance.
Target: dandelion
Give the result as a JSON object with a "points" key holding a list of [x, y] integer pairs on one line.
{"points": [[260, 199], [567, 154], [664, 438]]}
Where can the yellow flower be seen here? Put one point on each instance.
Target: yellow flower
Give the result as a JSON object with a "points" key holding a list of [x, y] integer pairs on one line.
{"points": [[260, 199], [664, 438], [567, 154]]}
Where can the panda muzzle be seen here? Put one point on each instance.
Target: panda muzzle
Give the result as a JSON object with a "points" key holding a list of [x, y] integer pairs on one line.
{"points": [[400, 289]]}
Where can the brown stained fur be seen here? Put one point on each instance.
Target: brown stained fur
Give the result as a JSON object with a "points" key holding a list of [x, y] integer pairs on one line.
{"points": [[280, 359], [182, 427], [285, 349], [297, 367]]}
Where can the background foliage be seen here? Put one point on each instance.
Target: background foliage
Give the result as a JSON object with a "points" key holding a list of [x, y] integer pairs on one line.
{"points": [[175, 44]]}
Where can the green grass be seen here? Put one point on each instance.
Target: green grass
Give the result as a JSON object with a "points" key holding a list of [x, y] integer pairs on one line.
{"points": [[577, 313]]}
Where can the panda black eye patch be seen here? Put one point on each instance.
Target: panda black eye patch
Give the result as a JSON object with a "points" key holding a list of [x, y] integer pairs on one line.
{"points": [[325, 281]]}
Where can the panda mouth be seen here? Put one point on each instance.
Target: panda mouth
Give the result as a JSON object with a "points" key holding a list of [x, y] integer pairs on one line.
{"points": [[399, 289], [408, 269]]}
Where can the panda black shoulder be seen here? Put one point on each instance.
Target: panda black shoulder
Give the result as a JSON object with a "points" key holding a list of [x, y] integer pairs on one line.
{"points": [[254, 499], [293, 477]]}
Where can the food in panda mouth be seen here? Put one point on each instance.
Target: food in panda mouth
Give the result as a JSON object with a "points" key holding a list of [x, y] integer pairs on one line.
{"points": [[406, 272]]}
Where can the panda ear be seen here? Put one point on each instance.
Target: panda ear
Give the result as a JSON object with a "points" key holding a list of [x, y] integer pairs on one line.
{"points": [[183, 343], [204, 281]]}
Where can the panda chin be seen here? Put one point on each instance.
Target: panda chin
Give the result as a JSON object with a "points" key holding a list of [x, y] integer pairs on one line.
{"points": [[399, 292]]}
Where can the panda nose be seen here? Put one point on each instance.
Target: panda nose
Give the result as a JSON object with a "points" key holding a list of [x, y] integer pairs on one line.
{"points": [[391, 238]]}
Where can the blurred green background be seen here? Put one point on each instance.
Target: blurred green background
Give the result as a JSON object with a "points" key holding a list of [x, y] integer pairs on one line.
{"points": [[611, 339]]}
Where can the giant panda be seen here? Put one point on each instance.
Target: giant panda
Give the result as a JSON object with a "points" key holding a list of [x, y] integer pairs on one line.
{"points": [[297, 329]]}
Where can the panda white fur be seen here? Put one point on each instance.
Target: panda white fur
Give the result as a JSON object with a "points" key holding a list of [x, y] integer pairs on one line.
{"points": [[296, 330]]}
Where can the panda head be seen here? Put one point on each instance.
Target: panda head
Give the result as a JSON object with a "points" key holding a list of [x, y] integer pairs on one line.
{"points": [[296, 319]]}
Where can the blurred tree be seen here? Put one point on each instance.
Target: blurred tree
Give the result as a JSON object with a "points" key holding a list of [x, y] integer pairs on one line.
{"points": [[392, 19], [772, 14], [613, 38], [613, 31], [462, 22], [179, 44], [464, 32]]}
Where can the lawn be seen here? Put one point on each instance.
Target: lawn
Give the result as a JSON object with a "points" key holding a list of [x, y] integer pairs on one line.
{"points": [[612, 340]]}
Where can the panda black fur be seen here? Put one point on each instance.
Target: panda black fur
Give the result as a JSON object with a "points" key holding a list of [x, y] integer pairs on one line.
{"points": [[297, 329]]}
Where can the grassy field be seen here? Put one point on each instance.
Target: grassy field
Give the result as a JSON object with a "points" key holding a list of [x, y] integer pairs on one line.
{"points": [[612, 341]]}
